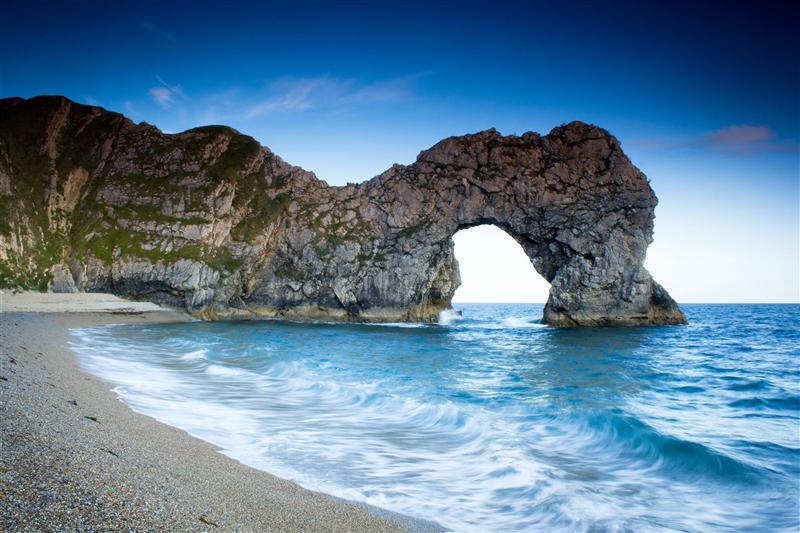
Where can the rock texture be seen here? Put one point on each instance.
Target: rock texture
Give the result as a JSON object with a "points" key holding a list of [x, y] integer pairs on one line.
{"points": [[211, 221]]}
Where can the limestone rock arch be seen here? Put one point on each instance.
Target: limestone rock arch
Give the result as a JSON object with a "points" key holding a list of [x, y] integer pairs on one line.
{"points": [[580, 210], [210, 220]]}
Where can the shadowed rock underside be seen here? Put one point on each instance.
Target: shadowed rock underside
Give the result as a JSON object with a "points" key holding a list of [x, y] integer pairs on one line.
{"points": [[211, 221]]}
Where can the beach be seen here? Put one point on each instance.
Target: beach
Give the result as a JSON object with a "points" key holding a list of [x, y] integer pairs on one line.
{"points": [[72, 456], [493, 422]]}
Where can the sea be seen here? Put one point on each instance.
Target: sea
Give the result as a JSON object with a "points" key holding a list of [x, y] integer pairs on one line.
{"points": [[489, 420]]}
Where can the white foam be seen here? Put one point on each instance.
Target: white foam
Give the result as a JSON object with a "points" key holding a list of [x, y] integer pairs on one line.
{"points": [[195, 355], [520, 322], [449, 316], [225, 371], [322, 415], [398, 324]]}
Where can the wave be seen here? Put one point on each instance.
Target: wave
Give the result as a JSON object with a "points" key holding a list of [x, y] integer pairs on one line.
{"points": [[746, 385], [629, 438], [455, 318], [787, 403], [597, 435], [225, 371], [399, 324], [521, 322], [449, 317], [691, 389], [195, 355]]}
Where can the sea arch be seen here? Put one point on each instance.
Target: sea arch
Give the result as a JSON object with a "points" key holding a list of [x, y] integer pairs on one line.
{"points": [[495, 269], [210, 220], [581, 211]]}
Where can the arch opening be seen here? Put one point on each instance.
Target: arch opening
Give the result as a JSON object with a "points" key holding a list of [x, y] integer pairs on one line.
{"points": [[495, 269]]}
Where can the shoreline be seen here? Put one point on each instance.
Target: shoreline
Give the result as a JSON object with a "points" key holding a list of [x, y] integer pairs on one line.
{"points": [[74, 456]]}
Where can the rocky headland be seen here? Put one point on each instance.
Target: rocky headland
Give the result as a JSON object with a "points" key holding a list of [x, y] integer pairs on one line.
{"points": [[211, 221]]}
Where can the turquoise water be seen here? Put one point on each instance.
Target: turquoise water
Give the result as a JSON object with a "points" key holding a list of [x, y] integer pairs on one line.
{"points": [[493, 421]]}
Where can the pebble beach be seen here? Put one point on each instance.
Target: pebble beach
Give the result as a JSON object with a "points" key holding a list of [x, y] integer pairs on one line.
{"points": [[73, 457]]}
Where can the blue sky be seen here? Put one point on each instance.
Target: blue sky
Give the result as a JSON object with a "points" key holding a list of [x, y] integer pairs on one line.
{"points": [[705, 99]]}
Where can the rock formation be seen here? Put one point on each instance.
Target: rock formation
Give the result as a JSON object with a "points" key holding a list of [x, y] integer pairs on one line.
{"points": [[211, 221]]}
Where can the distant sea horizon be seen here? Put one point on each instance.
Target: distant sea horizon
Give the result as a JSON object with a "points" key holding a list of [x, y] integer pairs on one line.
{"points": [[464, 302]]}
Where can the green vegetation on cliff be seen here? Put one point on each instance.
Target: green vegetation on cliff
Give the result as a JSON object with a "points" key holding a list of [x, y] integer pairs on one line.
{"points": [[209, 219]]}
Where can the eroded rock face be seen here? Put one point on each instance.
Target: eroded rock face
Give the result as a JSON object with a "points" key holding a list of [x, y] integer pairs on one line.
{"points": [[210, 220]]}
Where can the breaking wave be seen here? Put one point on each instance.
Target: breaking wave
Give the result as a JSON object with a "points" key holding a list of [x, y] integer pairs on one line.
{"points": [[489, 420]]}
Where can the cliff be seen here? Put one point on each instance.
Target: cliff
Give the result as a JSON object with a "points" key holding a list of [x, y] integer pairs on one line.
{"points": [[211, 221]]}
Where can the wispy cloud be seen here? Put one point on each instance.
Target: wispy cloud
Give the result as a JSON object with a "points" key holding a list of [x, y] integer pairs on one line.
{"points": [[130, 109], [152, 28], [745, 139], [323, 92], [296, 95], [739, 139], [165, 94], [389, 91], [288, 95], [92, 101], [161, 95], [739, 135]]}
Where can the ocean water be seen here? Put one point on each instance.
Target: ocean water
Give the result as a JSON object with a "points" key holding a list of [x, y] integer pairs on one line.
{"points": [[492, 421]]}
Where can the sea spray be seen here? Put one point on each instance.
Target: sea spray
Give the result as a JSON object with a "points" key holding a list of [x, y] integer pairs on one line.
{"points": [[448, 317]]}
